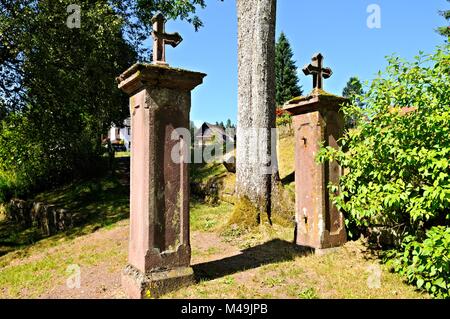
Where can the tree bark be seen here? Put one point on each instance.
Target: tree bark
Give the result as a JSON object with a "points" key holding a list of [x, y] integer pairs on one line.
{"points": [[256, 102]]}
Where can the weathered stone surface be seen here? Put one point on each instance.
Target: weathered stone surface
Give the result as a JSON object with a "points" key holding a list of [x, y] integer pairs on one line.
{"points": [[316, 69], [18, 211], [161, 39], [49, 219], [317, 118], [160, 101], [154, 284]]}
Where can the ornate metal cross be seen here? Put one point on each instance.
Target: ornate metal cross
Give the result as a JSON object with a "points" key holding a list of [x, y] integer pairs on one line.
{"points": [[318, 71], [161, 39]]}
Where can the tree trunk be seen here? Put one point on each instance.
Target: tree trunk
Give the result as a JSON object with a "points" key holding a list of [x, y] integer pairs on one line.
{"points": [[256, 169]]}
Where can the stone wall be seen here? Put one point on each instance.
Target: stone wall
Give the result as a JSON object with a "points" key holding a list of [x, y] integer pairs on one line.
{"points": [[49, 219], [215, 189]]}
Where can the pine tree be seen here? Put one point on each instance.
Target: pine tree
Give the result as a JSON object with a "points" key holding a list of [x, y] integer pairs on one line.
{"points": [[352, 90], [445, 31], [353, 87], [287, 86]]}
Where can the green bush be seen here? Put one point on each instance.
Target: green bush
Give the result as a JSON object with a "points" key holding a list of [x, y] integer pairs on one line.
{"points": [[283, 118], [425, 264], [398, 162], [397, 158], [30, 163], [4, 188]]}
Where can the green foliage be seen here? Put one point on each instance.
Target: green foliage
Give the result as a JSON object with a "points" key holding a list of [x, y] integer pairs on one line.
{"points": [[309, 293], [285, 72], [58, 92], [445, 31], [425, 264], [353, 89], [398, 161], [230, 125], [68, 94], [283, 118], [397, 158]]}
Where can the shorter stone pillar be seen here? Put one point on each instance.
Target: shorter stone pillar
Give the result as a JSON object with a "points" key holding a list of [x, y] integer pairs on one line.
{"points": [[317, 119], [159, 248]]}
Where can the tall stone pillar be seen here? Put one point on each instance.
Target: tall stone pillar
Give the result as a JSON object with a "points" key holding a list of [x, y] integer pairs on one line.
{"points": [[159, 248], [319, 224]]}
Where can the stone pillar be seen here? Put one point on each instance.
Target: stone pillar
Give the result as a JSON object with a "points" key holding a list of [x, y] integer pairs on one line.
{"points": [[317, 119], [159, 248]]}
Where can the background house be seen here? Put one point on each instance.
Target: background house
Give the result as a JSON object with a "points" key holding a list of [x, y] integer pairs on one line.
{"points": [[121, 135], [209, 134]]}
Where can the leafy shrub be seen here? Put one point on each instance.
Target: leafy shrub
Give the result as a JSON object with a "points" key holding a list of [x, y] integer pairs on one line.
{"points": [[397, 158], [4, 188], [425, 264], [283, 117], [31, 163]]}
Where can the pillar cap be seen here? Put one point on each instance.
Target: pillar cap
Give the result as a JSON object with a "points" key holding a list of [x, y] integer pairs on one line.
{"points": [[318, 99], [142, 75]]}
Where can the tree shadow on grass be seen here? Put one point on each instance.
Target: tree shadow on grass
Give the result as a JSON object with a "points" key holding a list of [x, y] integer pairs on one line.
{"points": [[271, 252]]}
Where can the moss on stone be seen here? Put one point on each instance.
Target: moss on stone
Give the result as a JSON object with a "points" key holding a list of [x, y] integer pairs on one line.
{"points": [[315, 92], [283, 203], [296, 99], [245, 214], [322, 92]]}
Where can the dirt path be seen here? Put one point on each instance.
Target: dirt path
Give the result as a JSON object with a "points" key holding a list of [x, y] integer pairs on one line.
{"points": [[102, 280]]}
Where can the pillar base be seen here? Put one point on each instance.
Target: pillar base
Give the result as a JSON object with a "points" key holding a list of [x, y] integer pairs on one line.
{"points": [[326, 251], [138, 285]]}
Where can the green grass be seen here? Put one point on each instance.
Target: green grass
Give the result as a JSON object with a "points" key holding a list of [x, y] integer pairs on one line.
{"points": [[30, 277], [270, 266], [47, 267], [201, 173], [206, 218], [122, 154]]}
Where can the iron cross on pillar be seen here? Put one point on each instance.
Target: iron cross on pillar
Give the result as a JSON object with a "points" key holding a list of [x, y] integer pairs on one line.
{"points": [[318, 71], [161, 39]]}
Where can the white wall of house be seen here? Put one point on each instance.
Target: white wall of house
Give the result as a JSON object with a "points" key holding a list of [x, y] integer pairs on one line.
{"points": [[123, 134]]}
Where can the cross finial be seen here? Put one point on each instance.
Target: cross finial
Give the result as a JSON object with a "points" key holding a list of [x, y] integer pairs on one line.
{"points": [[161, 39], [318, 71]]}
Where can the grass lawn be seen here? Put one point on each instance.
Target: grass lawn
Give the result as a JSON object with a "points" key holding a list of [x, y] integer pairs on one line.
{"points": [[263, 263], [228, 263]]}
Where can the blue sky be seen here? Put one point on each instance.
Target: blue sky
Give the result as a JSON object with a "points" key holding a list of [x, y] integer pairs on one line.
{"points": [[337, 28]]}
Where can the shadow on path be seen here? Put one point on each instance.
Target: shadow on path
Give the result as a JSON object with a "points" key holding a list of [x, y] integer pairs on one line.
{"points": [[274, 251], [288, 179]]}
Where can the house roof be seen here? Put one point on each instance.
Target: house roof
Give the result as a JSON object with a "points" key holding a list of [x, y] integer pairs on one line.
{"points": [[215, 128]]}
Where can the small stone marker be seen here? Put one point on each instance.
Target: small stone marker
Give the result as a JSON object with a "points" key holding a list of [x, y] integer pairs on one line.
{"points": [[317, 118], [159, 247], [161, 39]]}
